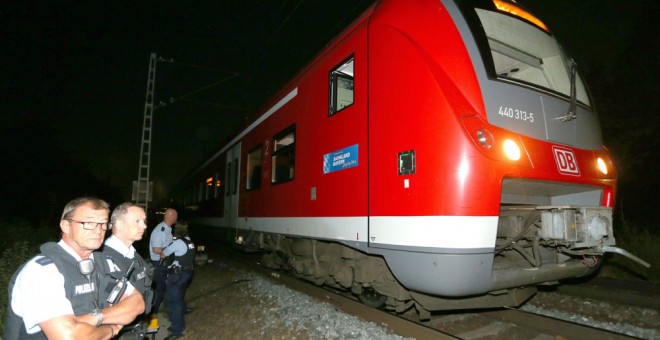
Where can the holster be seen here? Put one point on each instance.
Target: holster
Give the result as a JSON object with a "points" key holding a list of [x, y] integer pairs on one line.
{"points": [[148, 296], [174, 270]]}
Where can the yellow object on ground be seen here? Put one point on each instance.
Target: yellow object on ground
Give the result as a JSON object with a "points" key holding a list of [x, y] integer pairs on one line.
{"points": [[153, 324]]}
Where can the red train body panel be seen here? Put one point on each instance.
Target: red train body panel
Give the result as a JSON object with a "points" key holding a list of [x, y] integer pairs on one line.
{"points": [[387, 151]]}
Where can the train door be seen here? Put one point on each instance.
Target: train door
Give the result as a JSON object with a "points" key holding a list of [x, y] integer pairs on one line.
{"points": [[232, 178]]}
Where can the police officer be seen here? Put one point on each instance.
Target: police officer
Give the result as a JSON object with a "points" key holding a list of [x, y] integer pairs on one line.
{"points": [[58, 293], [179, 274], [128, 225], [161, 237]]}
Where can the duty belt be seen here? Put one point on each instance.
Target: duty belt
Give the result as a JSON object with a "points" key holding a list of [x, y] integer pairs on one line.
{"points": [[177, 270]]}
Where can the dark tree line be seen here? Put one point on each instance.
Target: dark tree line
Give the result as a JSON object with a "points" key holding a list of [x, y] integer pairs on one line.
{"points": [[39, 178], [629, 104]]}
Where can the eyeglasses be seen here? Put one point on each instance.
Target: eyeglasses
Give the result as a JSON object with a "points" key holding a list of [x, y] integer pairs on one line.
{"points": [[91, 225]]}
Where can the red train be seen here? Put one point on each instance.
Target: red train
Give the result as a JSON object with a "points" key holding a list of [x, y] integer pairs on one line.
{"points": [[439, 154]]}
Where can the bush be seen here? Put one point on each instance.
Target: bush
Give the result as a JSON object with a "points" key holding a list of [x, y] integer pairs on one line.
{"points": [[20, 242], [12, 258], [641, 243]]}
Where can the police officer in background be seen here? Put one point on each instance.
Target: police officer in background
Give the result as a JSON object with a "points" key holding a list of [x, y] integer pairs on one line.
{"points": [[161, 237], [179, 273], [59, 293], [129, 225]]}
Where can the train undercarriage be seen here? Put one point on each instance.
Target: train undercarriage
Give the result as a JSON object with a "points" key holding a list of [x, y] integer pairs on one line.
{"points": [[535, 246]]}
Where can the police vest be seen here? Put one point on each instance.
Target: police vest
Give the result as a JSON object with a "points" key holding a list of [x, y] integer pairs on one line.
{"points": [[82, 291], [188, 259], [141, 275]]}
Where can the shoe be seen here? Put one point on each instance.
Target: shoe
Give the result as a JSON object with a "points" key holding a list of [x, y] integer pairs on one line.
{"points": [[173, 337], [189, 310]]}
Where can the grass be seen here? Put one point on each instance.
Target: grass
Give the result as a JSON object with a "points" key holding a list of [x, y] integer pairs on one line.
{"points": [[641, 243], [20, 242]]}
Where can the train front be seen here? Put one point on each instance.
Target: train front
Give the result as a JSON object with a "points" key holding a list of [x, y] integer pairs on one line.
{"points": [[555, 216], [524, 186]]}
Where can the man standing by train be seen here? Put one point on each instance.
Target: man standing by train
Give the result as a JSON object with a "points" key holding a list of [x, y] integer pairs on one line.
{"points": [[57, 294], [161, 237], [128, 222], [179, 274]]}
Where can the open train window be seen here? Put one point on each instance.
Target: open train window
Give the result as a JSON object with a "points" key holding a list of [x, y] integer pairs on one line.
{"points": [[284, 156], [254, 168], [341, 89]]}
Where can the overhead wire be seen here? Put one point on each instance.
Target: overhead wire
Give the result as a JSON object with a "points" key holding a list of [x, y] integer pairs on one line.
{"points": [[267, 39], [215, 104], [203, 88], [272, 33]]}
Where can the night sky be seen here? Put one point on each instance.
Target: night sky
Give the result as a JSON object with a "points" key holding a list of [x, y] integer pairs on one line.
{"points": [[73, 83]]}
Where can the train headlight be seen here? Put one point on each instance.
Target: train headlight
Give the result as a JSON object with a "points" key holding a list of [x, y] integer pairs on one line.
{"points": [[602, 166], [485, 138], [497, 143], [511, 150]]}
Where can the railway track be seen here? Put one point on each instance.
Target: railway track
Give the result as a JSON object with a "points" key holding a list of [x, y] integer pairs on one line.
{"points": [[515, 324], [504, 323], [636, 293]]}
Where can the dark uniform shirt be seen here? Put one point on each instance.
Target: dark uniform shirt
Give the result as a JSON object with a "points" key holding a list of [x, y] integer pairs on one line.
{"points": [[119, 259]]}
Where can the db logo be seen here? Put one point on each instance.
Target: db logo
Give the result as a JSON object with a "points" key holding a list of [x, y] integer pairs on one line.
{"points": [[566, 162]]}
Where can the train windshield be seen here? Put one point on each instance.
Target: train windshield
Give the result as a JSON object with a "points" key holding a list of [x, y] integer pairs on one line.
{"points": [[522, 51]]}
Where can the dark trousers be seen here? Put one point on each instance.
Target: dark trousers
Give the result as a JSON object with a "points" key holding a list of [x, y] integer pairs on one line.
{"points": [[175, 294], [160, 274]]}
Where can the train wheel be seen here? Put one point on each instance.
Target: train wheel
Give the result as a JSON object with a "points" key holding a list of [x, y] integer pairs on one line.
{"points": [[372, 298]]}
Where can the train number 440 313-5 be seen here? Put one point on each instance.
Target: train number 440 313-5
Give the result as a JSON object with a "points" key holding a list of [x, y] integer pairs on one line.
{"points": [[518, 114]]}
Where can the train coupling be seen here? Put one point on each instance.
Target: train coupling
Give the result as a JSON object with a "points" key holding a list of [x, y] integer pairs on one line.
{"points": [[584, 227], [610, 249]]}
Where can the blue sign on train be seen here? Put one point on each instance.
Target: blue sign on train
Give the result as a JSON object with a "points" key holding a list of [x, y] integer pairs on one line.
{"points": [[340, 159]]}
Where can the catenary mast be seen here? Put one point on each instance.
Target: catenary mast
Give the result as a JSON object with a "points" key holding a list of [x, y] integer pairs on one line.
{"points": [[142, 187]]}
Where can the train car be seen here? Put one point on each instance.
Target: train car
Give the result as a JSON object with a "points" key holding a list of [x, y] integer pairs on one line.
{"points": [[437, 154]]}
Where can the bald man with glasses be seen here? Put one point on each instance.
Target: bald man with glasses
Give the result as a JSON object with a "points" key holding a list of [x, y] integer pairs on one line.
{"points": [[61, 293]]}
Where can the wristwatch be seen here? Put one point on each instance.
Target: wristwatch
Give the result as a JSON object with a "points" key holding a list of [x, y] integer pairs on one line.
{"points": [[99, 316]]}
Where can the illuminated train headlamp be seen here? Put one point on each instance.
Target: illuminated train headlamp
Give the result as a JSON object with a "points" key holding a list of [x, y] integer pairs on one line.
{"points": [[511, 149], [602, 166], [495, 142]]}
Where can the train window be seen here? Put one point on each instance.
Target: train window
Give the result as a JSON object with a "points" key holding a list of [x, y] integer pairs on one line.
{"points": [[523, 52], [208, 187], [341, 92], [284, 151], [200, 191], [254, 169], [216, 186]]}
